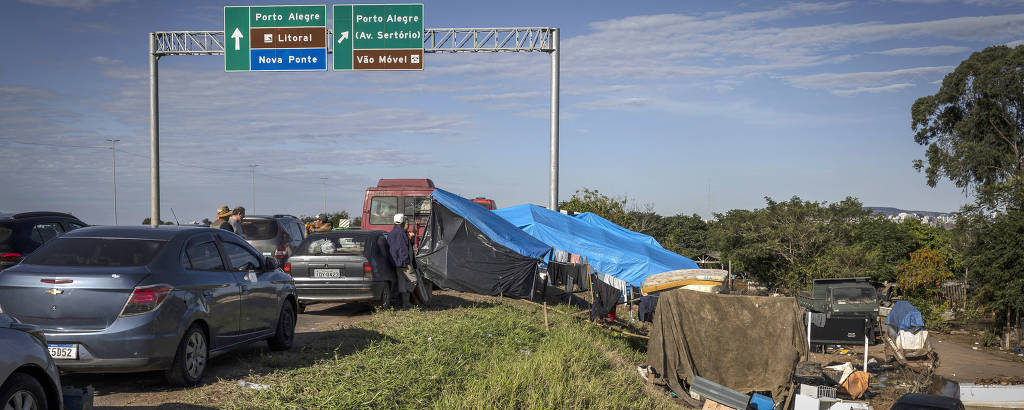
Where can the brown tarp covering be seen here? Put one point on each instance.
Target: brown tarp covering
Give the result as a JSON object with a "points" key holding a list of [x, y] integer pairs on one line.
{"points": [[747, 343]]}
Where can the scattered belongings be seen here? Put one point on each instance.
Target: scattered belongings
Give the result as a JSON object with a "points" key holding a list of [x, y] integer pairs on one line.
{"points": [[824, 398], [707, 389], [906, 338], [856, 384], [905, 327], [467, 248], [809, 373], [992, 395], [745, 343], [701, 280]]}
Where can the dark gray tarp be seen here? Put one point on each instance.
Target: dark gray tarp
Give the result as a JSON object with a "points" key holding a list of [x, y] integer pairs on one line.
{"points": [[455, 254], [746, 343]]}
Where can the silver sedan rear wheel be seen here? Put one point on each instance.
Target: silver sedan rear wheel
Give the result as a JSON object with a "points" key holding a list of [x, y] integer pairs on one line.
{"points": [[195, 355], [22, 392], [21, 400]]}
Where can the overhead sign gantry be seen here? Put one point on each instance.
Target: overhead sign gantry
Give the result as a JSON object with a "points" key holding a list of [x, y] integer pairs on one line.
{"points": [[236, 43]]}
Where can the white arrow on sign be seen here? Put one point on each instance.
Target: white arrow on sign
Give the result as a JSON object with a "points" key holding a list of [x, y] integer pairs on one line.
{"points": [[236, 35], [344, 35]]}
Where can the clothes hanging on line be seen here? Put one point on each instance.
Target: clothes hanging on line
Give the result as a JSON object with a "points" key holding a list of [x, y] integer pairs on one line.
{"points": [[573, 258], [645, 308], [561, 256], [605, 298]]}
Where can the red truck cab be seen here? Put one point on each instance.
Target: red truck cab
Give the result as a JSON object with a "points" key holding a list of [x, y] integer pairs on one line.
{"points": [[391, 196], [485, 202]]}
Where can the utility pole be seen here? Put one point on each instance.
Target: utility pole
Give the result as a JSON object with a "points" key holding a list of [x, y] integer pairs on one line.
{"points": [[252, 171], [113, 171], [324, 179]]}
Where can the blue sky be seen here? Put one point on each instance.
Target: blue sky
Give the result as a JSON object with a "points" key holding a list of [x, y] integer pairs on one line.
{"points": [[694, 107]]}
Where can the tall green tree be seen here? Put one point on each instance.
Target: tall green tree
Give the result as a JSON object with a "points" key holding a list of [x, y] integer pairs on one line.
{"points": [[592, 200], [974, 128], [783, 244]]}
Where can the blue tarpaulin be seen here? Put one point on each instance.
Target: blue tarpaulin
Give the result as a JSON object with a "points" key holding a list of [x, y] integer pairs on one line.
{"points": [[609, 248], [905, 317], [496, 228]]}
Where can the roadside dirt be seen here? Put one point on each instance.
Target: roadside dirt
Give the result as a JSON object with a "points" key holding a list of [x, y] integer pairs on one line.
{"points": [[150, 391], [323, 331], [959, 361]]}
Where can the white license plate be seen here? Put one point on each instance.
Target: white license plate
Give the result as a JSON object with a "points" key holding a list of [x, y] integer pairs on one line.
{"points": [[63, 351], [326, 273]]}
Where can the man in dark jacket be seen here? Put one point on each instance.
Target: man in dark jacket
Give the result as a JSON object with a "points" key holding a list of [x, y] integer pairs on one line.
{"points": [[398, 242]]}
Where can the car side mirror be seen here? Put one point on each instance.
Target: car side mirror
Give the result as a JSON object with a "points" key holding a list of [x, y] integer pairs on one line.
{"points": [[269, 263]]}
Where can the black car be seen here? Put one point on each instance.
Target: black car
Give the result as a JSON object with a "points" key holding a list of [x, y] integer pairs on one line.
{"points": [[916, 401], [22, 233], [343, 266]]}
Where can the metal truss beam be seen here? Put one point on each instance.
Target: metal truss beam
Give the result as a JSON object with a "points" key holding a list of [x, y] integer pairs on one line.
{"points": [[435, 40]]}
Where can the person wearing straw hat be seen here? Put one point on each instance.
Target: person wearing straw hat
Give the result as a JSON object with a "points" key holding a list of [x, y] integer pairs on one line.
{"points": [[222, 219]]}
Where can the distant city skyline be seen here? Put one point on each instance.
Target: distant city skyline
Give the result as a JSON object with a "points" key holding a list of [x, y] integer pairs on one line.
{"points": [[695, 107]]}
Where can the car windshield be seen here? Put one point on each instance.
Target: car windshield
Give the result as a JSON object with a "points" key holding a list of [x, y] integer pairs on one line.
{"points": [[259, 229], [332, 245], [844, 296], [96, 252]]}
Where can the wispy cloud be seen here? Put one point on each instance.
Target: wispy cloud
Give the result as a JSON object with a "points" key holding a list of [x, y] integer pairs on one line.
{"points": [[924, 51], [873, 90], [865, 79], [502, 97], [105, 60]]}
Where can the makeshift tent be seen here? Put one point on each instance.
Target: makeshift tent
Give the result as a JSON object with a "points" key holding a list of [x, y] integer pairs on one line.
{"points": [[467, 248], [610, 249], [746, 343]]}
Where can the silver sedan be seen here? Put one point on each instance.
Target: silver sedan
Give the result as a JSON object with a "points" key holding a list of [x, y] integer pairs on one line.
{"points": [[132, 299]]}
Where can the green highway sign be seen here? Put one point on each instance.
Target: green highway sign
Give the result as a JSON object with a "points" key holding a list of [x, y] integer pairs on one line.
{"points": [[275, 38], [378, 37]]}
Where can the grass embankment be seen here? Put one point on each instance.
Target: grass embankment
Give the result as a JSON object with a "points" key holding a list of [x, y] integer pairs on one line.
{"points": [[494, 355]]}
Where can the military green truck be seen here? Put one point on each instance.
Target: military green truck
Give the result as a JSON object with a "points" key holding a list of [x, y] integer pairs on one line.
{"points": [[850, 306]]}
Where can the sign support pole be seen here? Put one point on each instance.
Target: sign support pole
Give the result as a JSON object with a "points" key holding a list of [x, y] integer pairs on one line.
{"points": [[553, 198], [154, 136]]}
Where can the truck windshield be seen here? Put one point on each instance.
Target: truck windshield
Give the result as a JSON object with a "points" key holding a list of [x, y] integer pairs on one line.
{"points": [[417, 205], [383, 210], [843, 296]]}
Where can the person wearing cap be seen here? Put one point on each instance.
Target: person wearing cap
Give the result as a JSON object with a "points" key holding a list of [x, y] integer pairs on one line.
{"points": [[222, 219], [322, 223], [398, 242]]}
